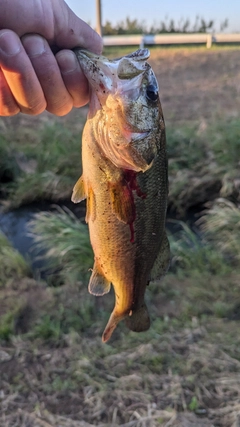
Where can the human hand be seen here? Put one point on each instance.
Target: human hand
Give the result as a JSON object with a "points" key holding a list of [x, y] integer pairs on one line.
{"points": [[32, 79]]}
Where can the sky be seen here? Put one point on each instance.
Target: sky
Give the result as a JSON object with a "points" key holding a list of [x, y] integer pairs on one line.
{"points": [[154, 11]]}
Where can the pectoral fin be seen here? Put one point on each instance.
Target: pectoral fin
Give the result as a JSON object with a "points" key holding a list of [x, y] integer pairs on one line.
{"points": [[122, 202], [98, 284], [162, 261], [79, 192], [91, 206]]}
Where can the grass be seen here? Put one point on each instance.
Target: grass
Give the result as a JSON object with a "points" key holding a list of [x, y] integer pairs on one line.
{"points": [[221, 223], [12, 264], [8, 167], [192, 252], [48, 168], [188, 361], [186, 369], [13, 269], [65, 244], [203, 163]]}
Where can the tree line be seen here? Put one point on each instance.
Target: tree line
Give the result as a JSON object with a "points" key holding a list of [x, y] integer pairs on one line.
{"points": [[134, 26]]}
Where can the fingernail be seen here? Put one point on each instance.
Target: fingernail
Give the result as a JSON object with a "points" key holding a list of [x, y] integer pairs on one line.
{"points": [[33, 45], [67, 62], [9, 43]]}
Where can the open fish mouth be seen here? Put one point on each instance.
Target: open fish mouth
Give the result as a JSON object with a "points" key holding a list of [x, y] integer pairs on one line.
{"points": [[138, 55], [101, 70]]}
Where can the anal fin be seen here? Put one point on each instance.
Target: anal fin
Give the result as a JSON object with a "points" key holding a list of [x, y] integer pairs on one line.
{"points": [[79, 192], [162, 261], [111, 325], [98, 284]]}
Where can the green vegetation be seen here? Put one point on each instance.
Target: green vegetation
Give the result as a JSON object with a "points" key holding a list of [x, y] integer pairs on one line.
{"points": [[210, 167], [221, 224], [185, 369], [65, 243], [47, 168], [44, 168], [133, 26], [12, 265]]}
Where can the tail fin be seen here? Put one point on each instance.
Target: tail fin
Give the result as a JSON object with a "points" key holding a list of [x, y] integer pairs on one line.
{"points": [[138, 320]]}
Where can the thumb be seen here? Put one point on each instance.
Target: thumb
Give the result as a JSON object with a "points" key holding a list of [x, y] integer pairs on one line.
{"points": [[70, 31]]}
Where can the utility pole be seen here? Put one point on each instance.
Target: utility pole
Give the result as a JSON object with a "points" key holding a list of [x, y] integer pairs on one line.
{"points": [[99, 17]]}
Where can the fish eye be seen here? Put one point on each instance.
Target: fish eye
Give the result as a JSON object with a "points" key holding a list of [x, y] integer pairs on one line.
{"points": [[152, 93]]}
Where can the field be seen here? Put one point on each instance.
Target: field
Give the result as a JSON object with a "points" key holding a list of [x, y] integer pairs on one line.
{"points": [[185, 371]]}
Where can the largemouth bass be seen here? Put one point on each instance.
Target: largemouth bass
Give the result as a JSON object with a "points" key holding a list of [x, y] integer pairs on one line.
{"points": [[125, 183]]}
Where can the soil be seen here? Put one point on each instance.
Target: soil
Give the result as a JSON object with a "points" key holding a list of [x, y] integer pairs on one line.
{"points": [[192, 378], [195, 85]]}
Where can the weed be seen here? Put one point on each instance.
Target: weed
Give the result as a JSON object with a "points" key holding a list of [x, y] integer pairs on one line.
{"points": [[221, 223], [56, 168], [193, 405], [8, 166], [6, 326], [47, 328], [12, 264], [65, 243], [192, 252]]}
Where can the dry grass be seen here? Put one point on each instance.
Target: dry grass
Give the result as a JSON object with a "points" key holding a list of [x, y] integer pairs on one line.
{"points": [[83, 384], [183, 372]]}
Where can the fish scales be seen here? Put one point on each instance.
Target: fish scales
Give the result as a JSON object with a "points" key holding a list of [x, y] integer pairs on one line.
{"points": [[125, 183]]}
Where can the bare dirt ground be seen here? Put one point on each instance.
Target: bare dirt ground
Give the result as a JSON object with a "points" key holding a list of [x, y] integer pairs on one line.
{"points": [[198, 84], [194, 84], [178, 377]]}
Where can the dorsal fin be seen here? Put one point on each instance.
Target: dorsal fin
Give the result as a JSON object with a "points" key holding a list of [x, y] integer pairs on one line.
{"points": [[162, 261]]}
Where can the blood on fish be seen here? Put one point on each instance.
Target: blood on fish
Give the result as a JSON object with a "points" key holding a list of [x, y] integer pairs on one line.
{"points": [[131, 179]]}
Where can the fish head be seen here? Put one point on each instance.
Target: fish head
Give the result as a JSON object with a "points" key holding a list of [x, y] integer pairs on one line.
{"points": [[125, 107]]}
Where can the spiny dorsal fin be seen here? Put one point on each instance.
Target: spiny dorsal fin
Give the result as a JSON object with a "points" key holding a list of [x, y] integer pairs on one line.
{"points": [[162, 261], [98, 284], [79, 192], [122, 202]]}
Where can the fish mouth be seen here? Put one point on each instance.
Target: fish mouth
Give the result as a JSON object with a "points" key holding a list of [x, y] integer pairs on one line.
{"points": [[138, 55], [105, 75]]}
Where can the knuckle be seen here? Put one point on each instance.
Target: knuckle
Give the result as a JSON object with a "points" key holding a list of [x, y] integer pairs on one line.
{"points": [[60, 109], [35, 108], [7, 110]]}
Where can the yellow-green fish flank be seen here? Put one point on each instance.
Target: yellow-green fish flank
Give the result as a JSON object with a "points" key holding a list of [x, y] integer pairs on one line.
{"points": [[125, 182]]}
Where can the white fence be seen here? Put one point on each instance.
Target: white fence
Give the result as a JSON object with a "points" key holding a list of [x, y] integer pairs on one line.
{"points": [[171, 39]]}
